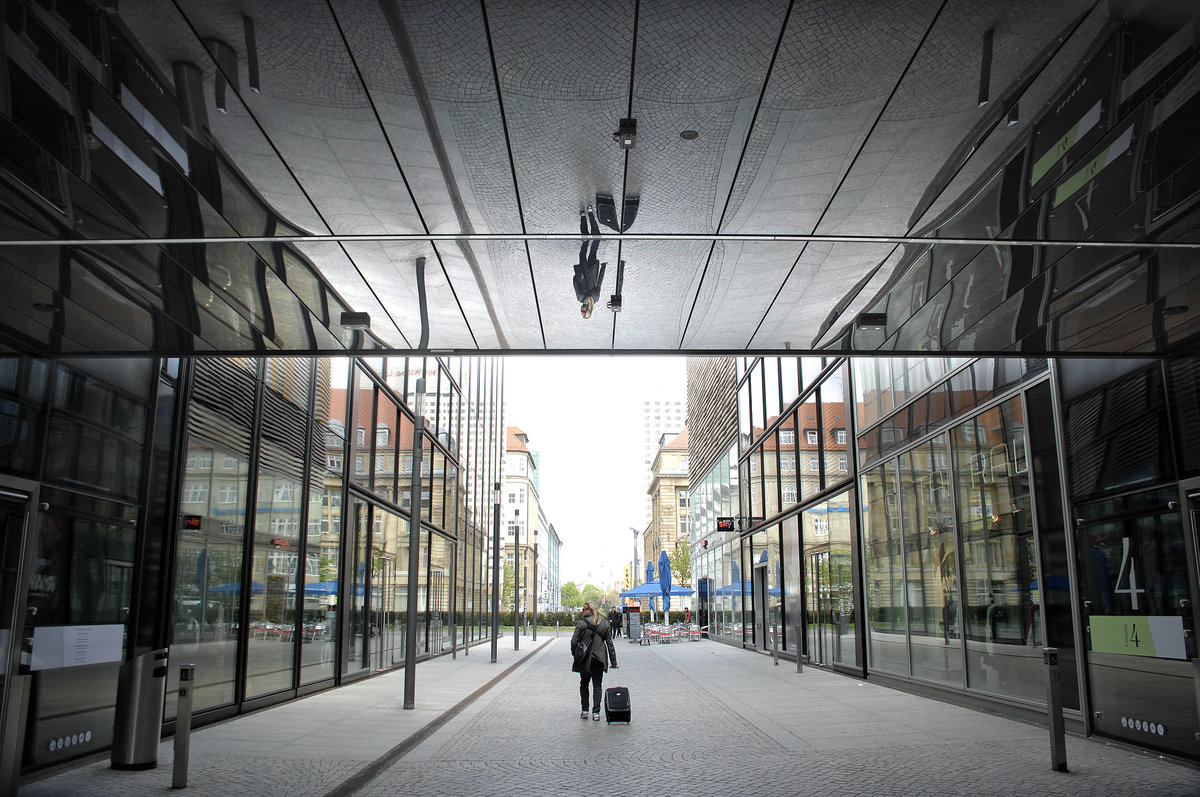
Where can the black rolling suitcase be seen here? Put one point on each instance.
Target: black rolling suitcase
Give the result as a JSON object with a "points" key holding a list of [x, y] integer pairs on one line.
{"points": [[616, 704]]}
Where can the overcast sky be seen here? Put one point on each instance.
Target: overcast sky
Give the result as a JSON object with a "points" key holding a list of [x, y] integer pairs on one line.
{"points": [[583, 416]]}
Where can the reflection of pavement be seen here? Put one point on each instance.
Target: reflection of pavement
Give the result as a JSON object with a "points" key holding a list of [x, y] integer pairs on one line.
{"points": [[996, 667], [745, 726]]}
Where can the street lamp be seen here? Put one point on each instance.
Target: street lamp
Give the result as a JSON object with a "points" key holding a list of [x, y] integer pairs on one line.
{"points": [[495, 568], [414, 551], [516, 577], [636, 566], [535, 585]]}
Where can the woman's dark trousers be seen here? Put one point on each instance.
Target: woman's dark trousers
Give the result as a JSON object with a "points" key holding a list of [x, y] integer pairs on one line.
{"points": [[596, 677]]}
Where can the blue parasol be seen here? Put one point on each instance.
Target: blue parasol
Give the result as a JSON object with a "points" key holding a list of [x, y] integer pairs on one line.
{"points": [[664, 579], [236, 588], [652, 589]]}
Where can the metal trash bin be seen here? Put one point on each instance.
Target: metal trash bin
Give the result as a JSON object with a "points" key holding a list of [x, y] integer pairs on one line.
{"points": [[141, 689]]}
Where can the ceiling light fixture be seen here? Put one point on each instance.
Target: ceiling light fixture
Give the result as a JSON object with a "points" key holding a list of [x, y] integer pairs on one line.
{"points": [[985, 67], [626, 134], [356, 321], [1175, 309], [1014, 115]]}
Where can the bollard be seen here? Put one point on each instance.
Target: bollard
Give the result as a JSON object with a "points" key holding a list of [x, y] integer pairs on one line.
{"points": [[183, 725], [774, 645], [1054, 710], [799, 661], [557, 623]]}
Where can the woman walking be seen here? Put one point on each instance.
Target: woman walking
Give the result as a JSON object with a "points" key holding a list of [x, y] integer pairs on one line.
{"points": [[594, 631], [589, 272]]}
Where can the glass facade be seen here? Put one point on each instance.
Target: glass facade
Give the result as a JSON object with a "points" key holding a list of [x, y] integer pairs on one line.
{"points": [[951, 558], [988, 505], [713, 551], [222, 486]]}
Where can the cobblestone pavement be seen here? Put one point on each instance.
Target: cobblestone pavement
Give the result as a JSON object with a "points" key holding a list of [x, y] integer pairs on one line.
{"points": [[708, 719], [713, 720]]}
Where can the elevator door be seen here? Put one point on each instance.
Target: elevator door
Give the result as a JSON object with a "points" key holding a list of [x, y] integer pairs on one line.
{"points": [[15, 507], [1137, 592]]}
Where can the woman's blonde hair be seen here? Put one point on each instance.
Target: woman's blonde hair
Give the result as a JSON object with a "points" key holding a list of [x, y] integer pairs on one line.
{"points": [[596, 615]]}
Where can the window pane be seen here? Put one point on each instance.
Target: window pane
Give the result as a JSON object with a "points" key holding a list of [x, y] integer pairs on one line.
{"points": [[833, 425], [928, 523], [884, 571], [771, 389], [440, 553], [364, 419], [353, 611], [273, 615], [788, 481], [1003, 628], [389, 560], [829, 591], [208, 571], [320, 580], [770, 465]]}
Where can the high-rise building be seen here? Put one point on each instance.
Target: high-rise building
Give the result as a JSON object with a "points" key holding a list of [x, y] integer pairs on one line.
{"points": [[549, 593], [660, 416]]}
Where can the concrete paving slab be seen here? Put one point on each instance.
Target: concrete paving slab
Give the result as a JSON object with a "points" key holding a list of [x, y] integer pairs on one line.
{"points": [[708, 719]]}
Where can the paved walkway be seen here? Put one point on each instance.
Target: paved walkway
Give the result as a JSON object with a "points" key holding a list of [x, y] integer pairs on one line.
{"points": [[708, 719]]}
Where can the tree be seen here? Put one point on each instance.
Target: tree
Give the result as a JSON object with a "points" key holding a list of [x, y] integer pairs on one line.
{"points": [[570, 596], [328, 569], [681, 563], [592, 593], [506, 592]]}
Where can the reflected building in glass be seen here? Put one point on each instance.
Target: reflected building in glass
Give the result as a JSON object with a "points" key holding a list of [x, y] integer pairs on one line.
{"points": [[985, 509], [252, 515], [972, 511]]}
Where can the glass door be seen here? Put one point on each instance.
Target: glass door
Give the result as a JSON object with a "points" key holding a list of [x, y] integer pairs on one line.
{"points": [[1137, 587], [383, 609], [829, 583], [818, 609], [352, 610], [762, 634]]}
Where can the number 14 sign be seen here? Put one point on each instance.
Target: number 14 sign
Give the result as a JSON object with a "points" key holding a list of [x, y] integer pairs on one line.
{"points": [[1159, 636]]}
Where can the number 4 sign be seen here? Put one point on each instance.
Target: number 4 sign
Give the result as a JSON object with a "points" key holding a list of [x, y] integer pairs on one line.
{"points": [[1127, 561]]}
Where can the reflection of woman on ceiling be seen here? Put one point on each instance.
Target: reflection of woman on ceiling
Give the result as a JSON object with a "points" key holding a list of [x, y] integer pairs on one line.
{"points": [[589, 272]]}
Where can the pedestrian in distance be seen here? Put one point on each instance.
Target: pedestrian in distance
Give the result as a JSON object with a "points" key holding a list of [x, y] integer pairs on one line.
{"points": [[614, 620], [589, 272], [593, 630]]}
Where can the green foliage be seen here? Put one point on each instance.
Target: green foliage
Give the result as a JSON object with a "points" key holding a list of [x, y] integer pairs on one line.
{"points": [[592, 593], [507, 591], [570, 595], [327, 569], [681, 563]]}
